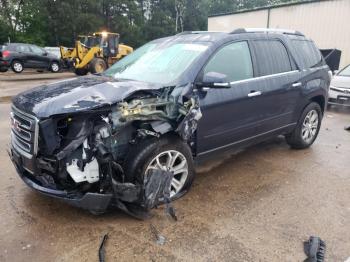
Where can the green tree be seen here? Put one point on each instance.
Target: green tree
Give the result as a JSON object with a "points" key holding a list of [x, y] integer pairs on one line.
{"points": [[59, 22]]}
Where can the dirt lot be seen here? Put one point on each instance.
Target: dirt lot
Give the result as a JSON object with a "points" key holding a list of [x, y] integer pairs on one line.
{"points": [[256, 205]]}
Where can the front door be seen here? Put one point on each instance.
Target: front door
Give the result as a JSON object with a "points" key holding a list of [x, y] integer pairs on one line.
{"points": [[38, 57], [230, 115]]}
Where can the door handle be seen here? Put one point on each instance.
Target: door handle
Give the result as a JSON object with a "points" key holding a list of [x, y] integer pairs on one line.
{"points": [[297, 84], [254, 93]]}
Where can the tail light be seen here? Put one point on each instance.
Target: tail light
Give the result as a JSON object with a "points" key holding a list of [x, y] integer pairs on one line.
{"points": [[5, 53]]}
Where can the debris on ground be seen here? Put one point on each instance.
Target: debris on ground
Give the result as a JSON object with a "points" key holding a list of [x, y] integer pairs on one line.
{"points": [[170, 211], [347, 128], [160, 240], [314, 249], [101, 250], [138, 201]]}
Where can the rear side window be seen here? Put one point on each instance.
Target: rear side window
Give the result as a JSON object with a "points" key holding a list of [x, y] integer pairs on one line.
{"points": [[272, 57], [307, 52], [233, 60], [12, 47], [22, 48]]}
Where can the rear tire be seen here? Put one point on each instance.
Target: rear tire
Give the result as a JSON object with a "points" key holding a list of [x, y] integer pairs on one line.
{"points": [[17, 66], [55, 67], [144, 156], [307, 128], [97, 65], [80, 71]]}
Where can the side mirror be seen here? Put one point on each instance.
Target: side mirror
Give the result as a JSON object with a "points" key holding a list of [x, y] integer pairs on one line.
{"points": [[214, 80]]}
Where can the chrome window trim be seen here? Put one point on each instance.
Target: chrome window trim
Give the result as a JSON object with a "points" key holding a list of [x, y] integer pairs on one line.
{"points": [[263, 77], [255, 79]]}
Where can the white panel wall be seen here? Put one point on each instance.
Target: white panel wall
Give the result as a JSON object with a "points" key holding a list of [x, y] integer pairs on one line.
{"points": [[326, 22], [228, 23]]}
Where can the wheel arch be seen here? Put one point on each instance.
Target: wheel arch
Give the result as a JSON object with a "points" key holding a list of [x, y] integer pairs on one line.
{"points": [[319, 100], [16, 59]]}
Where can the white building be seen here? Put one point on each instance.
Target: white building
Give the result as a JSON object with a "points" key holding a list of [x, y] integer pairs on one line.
{"points": [[327, 22]]}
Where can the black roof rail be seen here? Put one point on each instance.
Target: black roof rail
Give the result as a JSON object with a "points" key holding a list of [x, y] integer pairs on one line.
{"points": [[266, 30]]}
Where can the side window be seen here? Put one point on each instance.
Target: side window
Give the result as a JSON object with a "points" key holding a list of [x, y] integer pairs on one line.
{"points": [[37, 50], [307, 52], [12, 47], [233, 60], [23, 49], [272, 57]]}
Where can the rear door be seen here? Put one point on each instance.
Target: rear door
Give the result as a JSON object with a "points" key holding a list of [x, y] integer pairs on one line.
{"points": [[24, 54], [279, 83]]}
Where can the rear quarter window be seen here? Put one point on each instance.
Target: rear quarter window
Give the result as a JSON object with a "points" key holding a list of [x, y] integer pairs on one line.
{"points": [[272, 57], [12, 47], [307, 53]]}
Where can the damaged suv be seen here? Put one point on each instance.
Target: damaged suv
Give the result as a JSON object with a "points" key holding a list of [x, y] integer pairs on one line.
{"points": [[128, 137]]}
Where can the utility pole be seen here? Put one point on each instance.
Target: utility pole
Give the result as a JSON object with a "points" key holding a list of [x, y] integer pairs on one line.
{"points": [[180, 10]]}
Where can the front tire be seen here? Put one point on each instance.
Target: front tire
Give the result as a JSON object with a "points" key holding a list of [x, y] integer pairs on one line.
{"points": [[307, 129], [3, 69], [80, 71], [97, 65], [166, 153], [17, 66]]}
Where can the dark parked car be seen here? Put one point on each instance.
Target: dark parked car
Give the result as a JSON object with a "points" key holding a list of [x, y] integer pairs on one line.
{"points": [[19, 56], [99, 141]]}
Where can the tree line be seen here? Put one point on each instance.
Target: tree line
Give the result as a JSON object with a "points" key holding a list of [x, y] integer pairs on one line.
{"points": [[59, 22]]}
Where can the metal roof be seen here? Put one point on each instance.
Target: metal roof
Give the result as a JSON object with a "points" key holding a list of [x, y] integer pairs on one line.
{"points": [[291, 3]]}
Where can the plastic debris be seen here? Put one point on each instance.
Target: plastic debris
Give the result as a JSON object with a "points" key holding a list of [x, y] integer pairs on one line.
{"points": [[314, 249], [160, 240], [101, 250]]}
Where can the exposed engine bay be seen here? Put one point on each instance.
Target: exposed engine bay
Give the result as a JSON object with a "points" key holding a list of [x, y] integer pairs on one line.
{"points": [[86, 151]]}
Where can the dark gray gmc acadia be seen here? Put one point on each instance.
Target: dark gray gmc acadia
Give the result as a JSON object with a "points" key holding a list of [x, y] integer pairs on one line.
{"points": [[102, 140]]}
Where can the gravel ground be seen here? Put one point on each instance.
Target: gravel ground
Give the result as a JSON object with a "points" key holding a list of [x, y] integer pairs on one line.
{"points": [[255, 205]]}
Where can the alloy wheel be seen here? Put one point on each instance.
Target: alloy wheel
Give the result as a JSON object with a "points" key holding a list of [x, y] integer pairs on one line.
{"points": [[310, 126], [175, 162], [17, 67], [55, 67]]}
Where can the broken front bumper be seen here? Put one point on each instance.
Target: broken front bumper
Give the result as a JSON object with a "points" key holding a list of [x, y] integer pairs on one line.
{"points": [[94, 202]]}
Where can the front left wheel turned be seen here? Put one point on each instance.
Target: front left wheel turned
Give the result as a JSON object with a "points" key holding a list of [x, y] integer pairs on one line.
{"points": [[168, 153]]}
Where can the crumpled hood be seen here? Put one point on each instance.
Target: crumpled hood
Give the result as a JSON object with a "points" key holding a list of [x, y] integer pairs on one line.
{"points": [[341, 81], [77, 94]]}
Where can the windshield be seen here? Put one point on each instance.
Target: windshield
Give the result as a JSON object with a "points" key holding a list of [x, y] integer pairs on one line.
{"points": [[159, 63], [345, 71]]}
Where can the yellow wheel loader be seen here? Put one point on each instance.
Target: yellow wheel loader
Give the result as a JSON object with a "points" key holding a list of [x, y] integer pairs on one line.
{"points": [[94, 53]]}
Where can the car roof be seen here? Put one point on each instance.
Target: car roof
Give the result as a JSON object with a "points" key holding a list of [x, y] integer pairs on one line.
{"points": [[212, 36]]}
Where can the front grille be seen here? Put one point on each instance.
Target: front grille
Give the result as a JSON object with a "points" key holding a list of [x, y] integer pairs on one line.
{"points": [[24, 132]]}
